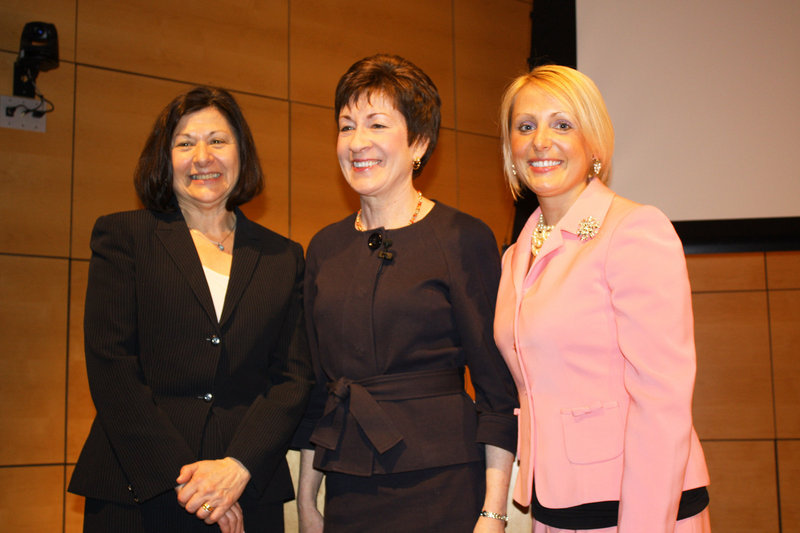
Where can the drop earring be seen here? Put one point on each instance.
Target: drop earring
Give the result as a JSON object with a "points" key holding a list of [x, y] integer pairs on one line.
{"points": [[597, 166]]}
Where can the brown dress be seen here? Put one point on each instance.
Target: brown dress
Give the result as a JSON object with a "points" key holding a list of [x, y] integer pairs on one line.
{"points": [[392, 324]]}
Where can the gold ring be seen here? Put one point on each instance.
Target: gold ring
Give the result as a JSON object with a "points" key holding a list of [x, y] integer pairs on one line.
{"points": [[207, 507]]}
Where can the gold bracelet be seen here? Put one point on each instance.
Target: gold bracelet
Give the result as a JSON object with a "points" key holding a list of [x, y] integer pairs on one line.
{"points": [[487, 514]]}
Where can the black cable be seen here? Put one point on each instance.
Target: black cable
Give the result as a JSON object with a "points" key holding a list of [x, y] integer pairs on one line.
{"points": [[37, 111]]}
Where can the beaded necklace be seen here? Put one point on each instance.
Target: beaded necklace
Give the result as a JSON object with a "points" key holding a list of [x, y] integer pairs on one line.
{"points": [[539, 235]]}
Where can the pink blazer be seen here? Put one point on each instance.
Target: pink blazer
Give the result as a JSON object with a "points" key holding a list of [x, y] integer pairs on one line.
{"points": [[599, 337]]}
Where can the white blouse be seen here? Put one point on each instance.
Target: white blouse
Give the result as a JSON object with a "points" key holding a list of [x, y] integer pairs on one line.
{"points": [[218, 285]]}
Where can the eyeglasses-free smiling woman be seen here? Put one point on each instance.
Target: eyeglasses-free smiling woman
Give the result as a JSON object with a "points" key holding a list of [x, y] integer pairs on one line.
{"points": [[196, 350], [399, 298], [594, 318]]}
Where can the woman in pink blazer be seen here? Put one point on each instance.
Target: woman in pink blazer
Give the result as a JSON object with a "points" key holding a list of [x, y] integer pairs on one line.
{"points": [[594, 319]]}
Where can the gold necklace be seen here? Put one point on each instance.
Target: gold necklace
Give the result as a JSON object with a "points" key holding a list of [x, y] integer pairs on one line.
{"points": [[360, 227], [539, 235]]}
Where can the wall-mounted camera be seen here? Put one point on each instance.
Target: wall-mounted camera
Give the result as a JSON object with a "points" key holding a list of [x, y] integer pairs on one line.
{"points": [[38, 51]]}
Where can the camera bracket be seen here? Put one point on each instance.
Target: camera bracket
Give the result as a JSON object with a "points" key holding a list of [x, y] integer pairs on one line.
{"points": [[25, 80]]}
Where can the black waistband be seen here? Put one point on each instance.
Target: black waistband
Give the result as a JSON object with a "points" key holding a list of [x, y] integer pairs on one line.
{"points": [[597, 515]]}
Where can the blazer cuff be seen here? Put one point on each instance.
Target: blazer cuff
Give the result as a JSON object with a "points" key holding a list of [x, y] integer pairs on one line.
{"points": [[498, 430]]}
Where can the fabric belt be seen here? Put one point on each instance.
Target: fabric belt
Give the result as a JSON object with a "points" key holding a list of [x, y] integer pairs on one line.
{"points": [[360, 398]]}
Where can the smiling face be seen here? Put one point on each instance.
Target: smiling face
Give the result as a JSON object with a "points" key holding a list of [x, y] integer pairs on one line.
{"points": [[373, 149], [205, 160], [547, 147]]}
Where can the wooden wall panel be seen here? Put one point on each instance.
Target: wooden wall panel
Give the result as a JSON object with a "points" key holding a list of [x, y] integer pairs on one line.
{"points": [[37, 170], [743, 486], [726, 272], [482, 188], [784, 309], [328, 37], [733, 392], [32, 499], [783, 270], [33, 326], [789, 468], [237, 44], [483, 69]]}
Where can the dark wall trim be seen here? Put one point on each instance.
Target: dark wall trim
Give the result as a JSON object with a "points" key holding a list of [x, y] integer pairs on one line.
{"points": [[739, 235], [553, 34]]}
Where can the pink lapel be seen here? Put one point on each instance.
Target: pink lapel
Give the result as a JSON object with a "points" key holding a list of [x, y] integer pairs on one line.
{"points": [[593, 202]]}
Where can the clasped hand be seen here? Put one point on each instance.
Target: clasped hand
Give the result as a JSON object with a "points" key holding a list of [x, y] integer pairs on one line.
{"points": [[211, 490]]}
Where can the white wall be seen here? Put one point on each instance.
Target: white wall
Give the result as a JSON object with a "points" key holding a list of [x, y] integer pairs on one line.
{"points": [[705, 99]]}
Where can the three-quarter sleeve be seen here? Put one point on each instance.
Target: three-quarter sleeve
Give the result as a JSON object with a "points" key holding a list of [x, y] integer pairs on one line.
{"points": [[475, 275]]}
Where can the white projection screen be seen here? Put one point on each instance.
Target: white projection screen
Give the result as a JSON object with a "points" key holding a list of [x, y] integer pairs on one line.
{"points": [[705, 99]]}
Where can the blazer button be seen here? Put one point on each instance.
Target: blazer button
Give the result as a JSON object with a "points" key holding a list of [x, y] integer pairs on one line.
{"points": [[135, 498], [208, 397], [213, 339]]}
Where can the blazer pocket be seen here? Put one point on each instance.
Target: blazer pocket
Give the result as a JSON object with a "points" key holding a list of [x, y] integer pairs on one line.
{"points": [[593, 433]]}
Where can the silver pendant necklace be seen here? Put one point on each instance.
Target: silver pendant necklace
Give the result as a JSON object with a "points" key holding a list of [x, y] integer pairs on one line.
{"points": [[218, 244]]}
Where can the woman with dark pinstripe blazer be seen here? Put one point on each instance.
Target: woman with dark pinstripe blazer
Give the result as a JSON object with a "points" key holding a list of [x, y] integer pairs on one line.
{"points": [[195, 345]]}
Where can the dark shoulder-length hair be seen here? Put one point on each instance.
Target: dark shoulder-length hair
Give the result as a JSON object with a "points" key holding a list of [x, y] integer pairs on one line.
{"points": [[411, 90], [153, 175]]}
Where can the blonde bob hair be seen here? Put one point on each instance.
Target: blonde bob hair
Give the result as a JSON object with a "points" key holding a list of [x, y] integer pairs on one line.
{"points": [[583, 101]]}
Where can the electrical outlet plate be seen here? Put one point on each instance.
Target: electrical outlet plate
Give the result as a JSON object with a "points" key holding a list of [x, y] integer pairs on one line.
{"points": [[13, 114]]}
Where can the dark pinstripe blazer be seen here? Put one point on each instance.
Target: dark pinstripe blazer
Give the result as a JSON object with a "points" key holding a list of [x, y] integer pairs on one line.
{"points": [[171, 384]]}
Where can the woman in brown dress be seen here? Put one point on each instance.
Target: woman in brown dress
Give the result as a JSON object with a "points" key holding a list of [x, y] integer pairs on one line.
{"points": [[399, 299]]}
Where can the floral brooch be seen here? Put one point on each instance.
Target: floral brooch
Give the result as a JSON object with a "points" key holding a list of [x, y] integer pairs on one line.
{"points": [[588, 228]]}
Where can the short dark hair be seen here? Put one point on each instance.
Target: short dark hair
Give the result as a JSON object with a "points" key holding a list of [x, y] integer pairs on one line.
{"points": [[153, 175], [411, 90]]}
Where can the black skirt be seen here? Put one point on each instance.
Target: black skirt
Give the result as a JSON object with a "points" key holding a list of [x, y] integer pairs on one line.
{"points": [[436, 500]]}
